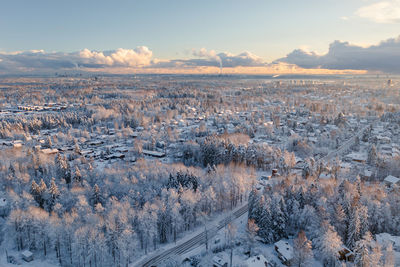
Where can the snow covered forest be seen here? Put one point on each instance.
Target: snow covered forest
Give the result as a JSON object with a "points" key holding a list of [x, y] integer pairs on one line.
{"points": [[101, 171]]}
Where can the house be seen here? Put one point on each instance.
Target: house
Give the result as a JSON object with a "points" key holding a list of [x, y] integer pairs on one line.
{"points": [[285, 251], [95, 142], [17, 143], [345, 254], [115, 156], [357, 157], [325, 175], [391, 181], [27, 255], [366, 174], [256, 261], [153, 153], [49, 151], [219, 262]]}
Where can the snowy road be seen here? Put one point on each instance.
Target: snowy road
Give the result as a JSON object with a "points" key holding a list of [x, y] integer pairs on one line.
{"points": [[195, 241]]}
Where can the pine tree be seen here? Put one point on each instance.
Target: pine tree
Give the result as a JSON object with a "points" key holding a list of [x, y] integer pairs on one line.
{"points": [[38, 192], [77, 176], [339, 220], [96, 196], [279, 217], [354, 228], [53, 194]]}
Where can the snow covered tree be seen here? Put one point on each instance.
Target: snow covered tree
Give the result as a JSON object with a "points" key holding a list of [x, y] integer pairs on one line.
{"points": [[96, 196], [362, 253], [78, 176], [251, 233], [302, 251], [38, 192], [53, 193], [230, 239], [329, 244], [372, 155], [389, 257]]}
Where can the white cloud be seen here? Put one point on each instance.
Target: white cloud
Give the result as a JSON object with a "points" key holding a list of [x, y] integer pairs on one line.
{"points": [[139, 56], [381, 12], [383, 57], [39, 60]]}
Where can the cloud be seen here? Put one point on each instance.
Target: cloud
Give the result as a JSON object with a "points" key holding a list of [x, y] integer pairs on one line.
{"points": [[204, 53], [383, 57], [342, 58], [209, 58], [139, 58], [39, 60], [381, 12]]}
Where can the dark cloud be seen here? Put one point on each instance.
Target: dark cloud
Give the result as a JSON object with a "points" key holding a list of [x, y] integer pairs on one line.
{"points": [[383, 57]]}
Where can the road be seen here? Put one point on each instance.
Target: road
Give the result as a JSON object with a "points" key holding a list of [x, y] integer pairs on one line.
{"points": [[195, 241]]}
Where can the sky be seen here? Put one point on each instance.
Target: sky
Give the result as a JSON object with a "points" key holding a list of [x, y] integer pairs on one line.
{"points": [[252, 36]]}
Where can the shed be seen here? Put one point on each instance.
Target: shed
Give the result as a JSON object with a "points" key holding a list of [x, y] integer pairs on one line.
{"points": [[391, 180], [345, 254], [27, 255], [219, 262]]}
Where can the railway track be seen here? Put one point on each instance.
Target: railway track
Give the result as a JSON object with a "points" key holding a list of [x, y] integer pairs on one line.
{"points": [[195, 241]]}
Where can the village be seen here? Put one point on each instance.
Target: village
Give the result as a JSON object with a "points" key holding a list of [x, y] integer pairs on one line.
{"points": [[326, 129]]}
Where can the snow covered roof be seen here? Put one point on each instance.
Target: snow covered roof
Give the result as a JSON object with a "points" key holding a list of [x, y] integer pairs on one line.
{"points": [[391, 179], [49, 151], [325, 175], [367, 173], [153, 153], [256, 261], [26, 254], [384, 238], [360, 157], [284, 249], [219, 261]]}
